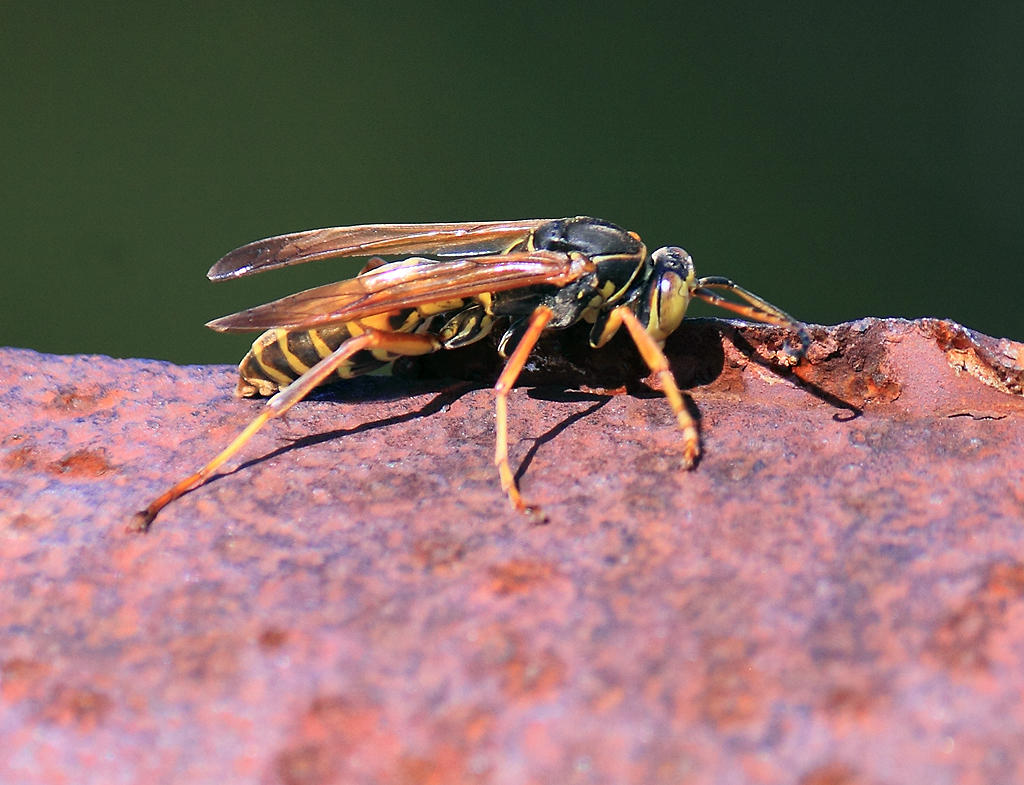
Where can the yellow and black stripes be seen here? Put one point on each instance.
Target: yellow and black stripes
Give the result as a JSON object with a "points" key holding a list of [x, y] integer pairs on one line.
{"points": [[279, 356]]}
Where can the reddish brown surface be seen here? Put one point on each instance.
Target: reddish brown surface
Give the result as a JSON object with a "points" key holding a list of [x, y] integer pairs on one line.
{"points": [[835, 595]]}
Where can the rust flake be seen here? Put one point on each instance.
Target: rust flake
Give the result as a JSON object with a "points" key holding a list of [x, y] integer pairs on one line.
{"points": [[964, 639], [997, 362], [83, 463], [518, 576], [82, 707]]}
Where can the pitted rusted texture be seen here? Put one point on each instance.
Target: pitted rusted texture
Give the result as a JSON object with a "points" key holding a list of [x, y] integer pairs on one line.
{"points": [[834, 595]]}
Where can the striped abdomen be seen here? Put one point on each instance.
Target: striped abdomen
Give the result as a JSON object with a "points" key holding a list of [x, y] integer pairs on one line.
{"points": [[279, 356]]}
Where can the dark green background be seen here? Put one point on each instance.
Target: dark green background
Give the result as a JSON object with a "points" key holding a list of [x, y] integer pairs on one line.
{"points": [[841, 160]]}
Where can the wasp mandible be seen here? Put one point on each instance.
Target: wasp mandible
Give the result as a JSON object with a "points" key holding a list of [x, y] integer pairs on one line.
{"points": [[522, 277]]}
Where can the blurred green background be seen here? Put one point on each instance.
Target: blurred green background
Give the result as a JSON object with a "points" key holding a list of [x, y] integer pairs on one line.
{"points": [[841, 160]]}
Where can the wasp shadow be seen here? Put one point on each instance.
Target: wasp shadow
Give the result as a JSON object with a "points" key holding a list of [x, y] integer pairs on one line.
{"points": [[735, 331], [380, 388], [562, 363], [598, 401]]}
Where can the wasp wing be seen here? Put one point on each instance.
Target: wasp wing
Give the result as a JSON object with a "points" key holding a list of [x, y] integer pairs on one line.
{"points": [[407, 284], [454, 239]]}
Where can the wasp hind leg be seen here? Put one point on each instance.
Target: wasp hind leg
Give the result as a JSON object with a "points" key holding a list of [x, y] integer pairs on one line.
{"points": [[538, 321], [396, 343]]}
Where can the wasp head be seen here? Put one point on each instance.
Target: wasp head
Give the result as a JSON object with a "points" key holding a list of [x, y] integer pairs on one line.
{"points": [[667, 294]]}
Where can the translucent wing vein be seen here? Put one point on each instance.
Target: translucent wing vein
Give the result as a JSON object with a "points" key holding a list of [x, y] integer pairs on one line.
{"points": [[407, 284], [453, 239]]}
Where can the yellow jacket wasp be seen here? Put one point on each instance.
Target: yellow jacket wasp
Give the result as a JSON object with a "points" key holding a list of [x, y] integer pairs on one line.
{"points": [[523, 276]]}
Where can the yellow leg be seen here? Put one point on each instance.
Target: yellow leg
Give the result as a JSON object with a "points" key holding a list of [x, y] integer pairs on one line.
{"points": [[658, 363], [514, 366], [397, 343]]}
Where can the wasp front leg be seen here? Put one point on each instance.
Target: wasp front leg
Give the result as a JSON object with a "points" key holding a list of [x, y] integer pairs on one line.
{"points": [[656, 360], [759, 310], [395, 343]]}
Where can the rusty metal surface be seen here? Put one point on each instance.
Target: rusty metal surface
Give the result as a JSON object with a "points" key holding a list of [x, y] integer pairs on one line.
{"points": [[835, 594]]}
